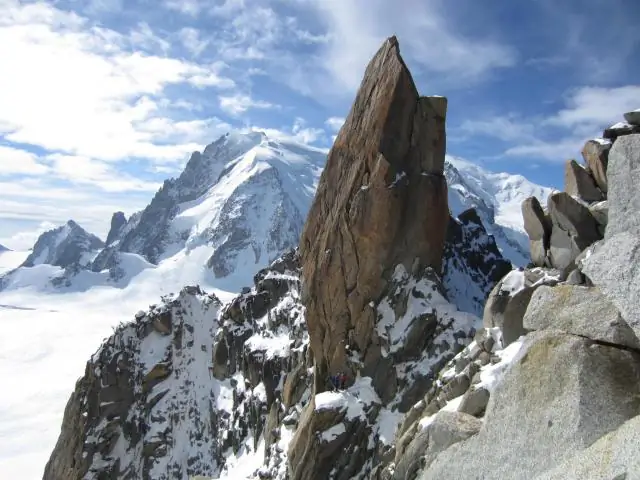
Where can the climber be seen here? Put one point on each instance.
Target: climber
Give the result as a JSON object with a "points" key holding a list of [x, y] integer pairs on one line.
{"points": [[343, 380], [334, 382]]}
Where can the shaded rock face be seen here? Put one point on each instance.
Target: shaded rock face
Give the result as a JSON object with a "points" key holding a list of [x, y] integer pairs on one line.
{"points": [[508, 302], [118, 223], [387, 158], [472, 263], [578, 183], [596, 156], [66, 246], [538, 226], [574, 229]]}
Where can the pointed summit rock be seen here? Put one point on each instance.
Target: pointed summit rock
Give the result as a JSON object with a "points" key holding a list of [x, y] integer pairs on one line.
{"points": [[118, 221], [381, 202]]}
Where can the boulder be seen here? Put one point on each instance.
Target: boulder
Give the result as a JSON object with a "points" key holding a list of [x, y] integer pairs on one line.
{"points": [[475, 401], [612, 457], [624, 194], [574, 229], [563, 391], [614, 267], [538, 228], [633, 117], [507, 303], [596, 155], [600, 212], [578, 183], [387, 158], [620, 129], [580, 311], [446, 429]]}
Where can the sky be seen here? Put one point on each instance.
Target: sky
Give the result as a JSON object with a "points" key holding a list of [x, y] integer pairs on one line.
{"points": [[101, 100]]}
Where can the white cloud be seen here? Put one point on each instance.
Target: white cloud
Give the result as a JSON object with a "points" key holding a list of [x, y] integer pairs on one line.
{"points": [[186, 7], [82, 170], [237, 104], [24, 240], [595, 108], [192, 41], [334, 123], [298, 132], [357, 28], [15, 161], [587, 111], [96, 96]]}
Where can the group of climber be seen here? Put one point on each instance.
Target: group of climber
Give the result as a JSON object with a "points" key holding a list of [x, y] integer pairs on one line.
{"points": [[338, 381]]}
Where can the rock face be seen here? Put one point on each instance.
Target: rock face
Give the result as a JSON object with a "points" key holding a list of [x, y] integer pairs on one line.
{"points": [[624, 178], [596, 155], [472, 263], [574, 229], [578, 183], [573, 309], [66, 246], [189, 373], [118, 223], [508, 302], [538, 227], [387, 158], [633, 117], [546, 400]]}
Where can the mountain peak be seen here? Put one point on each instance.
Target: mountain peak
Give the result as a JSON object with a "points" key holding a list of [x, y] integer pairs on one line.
{"points": [[63, 246]]}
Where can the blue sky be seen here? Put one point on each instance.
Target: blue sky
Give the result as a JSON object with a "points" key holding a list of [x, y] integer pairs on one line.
{"points": [[100, 100]]}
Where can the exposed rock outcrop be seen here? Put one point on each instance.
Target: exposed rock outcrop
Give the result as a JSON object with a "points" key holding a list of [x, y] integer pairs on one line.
{"points": [[538, 226], [118, 224], [546, 400], [65, 246], [596, 156], [578, 183]]}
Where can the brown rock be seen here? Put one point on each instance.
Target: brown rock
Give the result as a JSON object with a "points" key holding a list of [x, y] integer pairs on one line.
{"points": [[578, 183], [387, 160], [596, 156], [538, 228], [156, 375]]}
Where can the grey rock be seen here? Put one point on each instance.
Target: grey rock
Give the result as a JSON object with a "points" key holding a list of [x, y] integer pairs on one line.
{"points": [[475, 401], [456, 386], [538, 228], [575, 277], [447, 428], [612, 457], [580, 311], [596, 155], [118, 222], [505, 309], [620, 129], [578, 183], [624, 194], [600, 212], [633, 117], [64, 246], [562, 394], [614, 268], [574, 229]]}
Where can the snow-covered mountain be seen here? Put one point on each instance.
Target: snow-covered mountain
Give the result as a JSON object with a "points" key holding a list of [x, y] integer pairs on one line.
{"points": [[3, 248], [65, 246], [497, 198]]}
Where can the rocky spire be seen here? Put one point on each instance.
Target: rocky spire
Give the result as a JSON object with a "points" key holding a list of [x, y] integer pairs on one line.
{"points": [[118, 221], [381, 202]]}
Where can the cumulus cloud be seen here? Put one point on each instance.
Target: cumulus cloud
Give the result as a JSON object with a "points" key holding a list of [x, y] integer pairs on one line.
{"points": [[239, 103], [95, 91]]}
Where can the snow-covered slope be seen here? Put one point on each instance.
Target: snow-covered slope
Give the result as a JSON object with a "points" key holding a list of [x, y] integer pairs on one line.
{"points": [[497, 197], [245, 197]]}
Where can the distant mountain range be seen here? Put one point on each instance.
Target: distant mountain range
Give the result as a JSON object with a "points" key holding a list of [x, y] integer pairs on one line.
{"points": [[240, 204]]}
